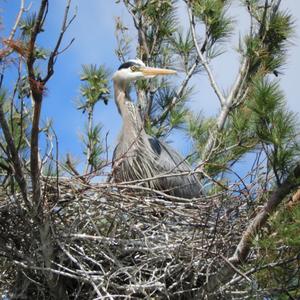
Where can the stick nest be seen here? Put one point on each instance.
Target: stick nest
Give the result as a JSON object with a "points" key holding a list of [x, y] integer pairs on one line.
{"points": [[95, 241]]}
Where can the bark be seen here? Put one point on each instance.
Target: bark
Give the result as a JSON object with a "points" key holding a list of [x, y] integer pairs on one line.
{"points": [[244, 246]]}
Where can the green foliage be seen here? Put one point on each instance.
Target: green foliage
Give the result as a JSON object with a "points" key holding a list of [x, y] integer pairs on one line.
{"points": [[279, 248], [274, 125], [95, 86], [41, 53], [236, 140], [263, 122], [156, 22], [23, 88], [183, 46], [268, 48], [165, 116], [3, 96], [198, 129], [177, 116], [18, 121], [123, 41], [26, 25], [213, 15], [93, 147], [160, 16]]}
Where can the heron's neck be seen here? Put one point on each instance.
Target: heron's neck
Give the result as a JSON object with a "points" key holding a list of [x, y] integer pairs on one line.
{"points": [[121, 96], [131, 117]]}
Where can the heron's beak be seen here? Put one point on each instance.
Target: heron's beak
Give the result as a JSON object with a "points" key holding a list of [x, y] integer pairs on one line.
{"points": [[147, 71]]}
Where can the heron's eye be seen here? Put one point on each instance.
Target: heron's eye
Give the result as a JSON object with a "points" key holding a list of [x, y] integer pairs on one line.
{"points": [[133, 68]]}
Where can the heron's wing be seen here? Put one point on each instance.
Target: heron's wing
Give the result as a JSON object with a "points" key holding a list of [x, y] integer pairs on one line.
{"points": [[155, 145], [170, 161], [114, 154], [168, 157]]}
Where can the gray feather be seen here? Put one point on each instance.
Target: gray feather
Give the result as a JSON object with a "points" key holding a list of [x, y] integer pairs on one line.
{"points": [[139, 156], [149, 157]]}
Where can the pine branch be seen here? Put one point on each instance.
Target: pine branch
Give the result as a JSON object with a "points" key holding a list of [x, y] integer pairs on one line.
{"points": [[225, 110], [14, 157], [138, 23], [226, 102], [244, 246], [89, 146], [264, 52], [179, 93], [203, 61]]}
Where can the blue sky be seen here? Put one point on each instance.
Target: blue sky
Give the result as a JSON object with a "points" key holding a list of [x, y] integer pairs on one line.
{"points": [[95, 43]]}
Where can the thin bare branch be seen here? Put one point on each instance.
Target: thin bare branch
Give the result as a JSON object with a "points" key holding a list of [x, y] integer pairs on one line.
{"points": [[243, 248], [260, 220], [55, 52], [203, 61], [18, 19], [15, 159], [178, 94]]}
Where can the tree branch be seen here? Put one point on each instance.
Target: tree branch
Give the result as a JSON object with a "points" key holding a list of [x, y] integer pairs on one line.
{"points": [[37, 86], [55, 52], [179, 93], [14, 157], [35, 31], [6, 51], [141, 33], [36, 91], [225, 109], [244, 246], [19, 16], [202, 59], [260, 220], [226, 102]]}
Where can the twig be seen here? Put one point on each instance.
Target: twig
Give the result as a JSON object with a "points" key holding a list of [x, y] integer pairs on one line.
{"points": [[259, 221], [201, 57], [6, 52], [178, 94], [15, 159], [242, 250], [235, 268], [18, 19], [55, 52], [74, 260]]}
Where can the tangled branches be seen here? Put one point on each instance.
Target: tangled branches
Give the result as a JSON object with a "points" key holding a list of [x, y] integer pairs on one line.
{"points": [[112, 242]]}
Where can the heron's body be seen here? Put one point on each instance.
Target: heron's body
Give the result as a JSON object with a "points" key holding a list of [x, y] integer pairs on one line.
{"points": [[139, 156]]}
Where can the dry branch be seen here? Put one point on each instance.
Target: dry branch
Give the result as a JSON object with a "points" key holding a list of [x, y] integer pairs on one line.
{"points": [[37, 97], [14, 157], [202, 59], [260, 220], [244, 246]]}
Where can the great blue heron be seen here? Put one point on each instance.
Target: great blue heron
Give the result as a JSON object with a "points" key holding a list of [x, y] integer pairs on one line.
{"points": [[138, 155]]}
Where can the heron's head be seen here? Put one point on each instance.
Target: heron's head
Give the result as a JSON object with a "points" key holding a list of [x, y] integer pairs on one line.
{"points": [[135, 69]]}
